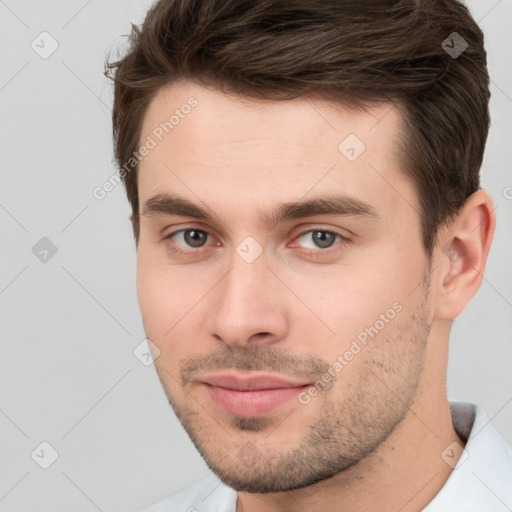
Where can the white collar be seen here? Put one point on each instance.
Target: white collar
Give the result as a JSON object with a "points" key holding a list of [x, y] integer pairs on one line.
{"points": [[482, 478]]}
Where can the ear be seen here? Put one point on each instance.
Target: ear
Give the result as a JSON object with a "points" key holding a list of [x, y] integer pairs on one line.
{"points": [[462, 254]]}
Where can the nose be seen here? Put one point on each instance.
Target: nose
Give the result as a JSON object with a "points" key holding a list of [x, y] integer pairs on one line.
{"points": [[248, 306]]}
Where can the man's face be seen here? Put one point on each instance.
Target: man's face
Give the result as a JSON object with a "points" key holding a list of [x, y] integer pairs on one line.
{"points": [[290, 345]]}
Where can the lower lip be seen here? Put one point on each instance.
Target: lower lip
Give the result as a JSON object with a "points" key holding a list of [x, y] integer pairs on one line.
{"points": [[251, 404]]}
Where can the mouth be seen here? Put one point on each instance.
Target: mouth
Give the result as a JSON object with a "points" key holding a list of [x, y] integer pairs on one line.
{"points": [[250, 396]]}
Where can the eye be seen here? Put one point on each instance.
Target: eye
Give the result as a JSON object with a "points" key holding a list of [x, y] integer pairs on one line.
{"points": [[320, 238], [190, 238], [315, 241]]}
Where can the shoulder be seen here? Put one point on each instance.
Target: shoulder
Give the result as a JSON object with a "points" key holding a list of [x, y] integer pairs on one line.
{"points": [[206, 495]]}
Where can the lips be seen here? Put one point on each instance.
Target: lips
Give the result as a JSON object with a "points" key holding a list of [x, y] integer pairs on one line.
{"points": [[250, 396]]}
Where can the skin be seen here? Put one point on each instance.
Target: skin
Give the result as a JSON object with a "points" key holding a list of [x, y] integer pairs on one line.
{"points": [[373, 437]]}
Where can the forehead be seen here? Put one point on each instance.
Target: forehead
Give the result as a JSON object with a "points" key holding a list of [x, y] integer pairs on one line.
{"points": [[218, 118], [208, 143]]}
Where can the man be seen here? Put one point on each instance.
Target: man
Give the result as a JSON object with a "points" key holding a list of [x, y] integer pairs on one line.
{"points": [[304, 180]]}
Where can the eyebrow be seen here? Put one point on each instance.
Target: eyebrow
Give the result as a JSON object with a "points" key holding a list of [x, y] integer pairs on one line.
{"points": [[169, 204]]}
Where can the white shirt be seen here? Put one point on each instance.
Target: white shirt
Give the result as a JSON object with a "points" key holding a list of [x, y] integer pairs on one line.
{"points": [[480, 482]]}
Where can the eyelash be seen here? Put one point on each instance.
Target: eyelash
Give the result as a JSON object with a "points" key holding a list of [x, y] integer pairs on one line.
{"points": [[309, 252]]}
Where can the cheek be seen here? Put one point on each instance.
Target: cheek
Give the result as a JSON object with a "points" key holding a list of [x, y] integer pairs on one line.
{"points": [[353, 299], [170, 300], [149, 294], [161, 314], [159, 296], [365, 302]]}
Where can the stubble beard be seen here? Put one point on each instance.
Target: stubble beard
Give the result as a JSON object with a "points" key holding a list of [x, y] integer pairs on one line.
{"points": [[343, 432]]}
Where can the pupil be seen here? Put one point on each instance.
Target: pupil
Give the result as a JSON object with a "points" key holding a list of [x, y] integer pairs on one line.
{"points": [[194, 237], [323, 239]]}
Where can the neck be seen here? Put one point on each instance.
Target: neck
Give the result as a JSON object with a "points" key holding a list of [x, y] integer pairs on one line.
{"points": [[404, 473]]}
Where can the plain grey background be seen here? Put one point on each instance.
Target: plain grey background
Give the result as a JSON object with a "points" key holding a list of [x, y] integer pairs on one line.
{"points": [[70, 323]]}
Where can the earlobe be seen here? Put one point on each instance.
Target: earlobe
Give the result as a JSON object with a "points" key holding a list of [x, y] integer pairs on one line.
{"points": [[465, 245]]}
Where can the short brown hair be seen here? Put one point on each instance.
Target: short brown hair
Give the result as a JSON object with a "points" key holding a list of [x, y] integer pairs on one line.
{"points": [[357, 51]]}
